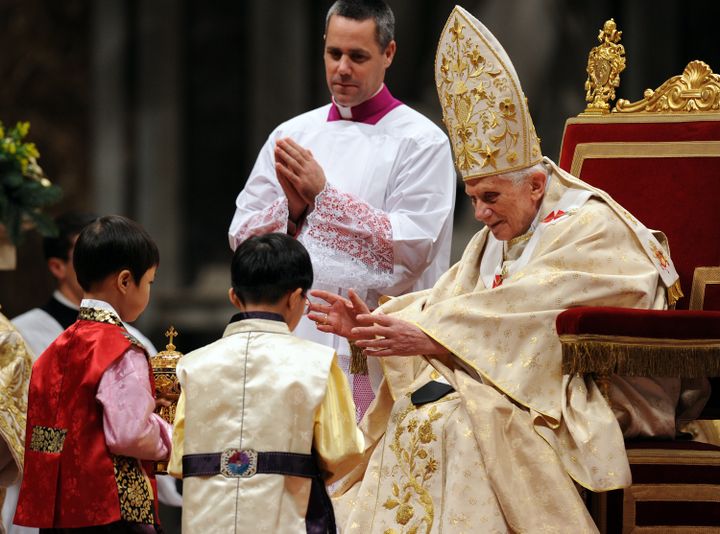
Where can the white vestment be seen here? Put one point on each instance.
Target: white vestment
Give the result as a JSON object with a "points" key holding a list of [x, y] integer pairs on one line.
{"points": [[500, 454], [383, 224], [260, 388]]}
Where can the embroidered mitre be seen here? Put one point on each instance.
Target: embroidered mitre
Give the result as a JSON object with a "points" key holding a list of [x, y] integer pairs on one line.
{"points": [[484, 109]]}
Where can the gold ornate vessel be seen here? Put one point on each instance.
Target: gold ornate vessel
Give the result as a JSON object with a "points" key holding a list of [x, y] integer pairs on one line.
{"points": [[166, 383]]}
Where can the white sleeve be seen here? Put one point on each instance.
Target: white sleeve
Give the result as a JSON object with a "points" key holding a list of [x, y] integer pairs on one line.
{"points": [[353, 244], [261, 207]]}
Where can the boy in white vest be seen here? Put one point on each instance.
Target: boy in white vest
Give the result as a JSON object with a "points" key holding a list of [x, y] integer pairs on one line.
{"points": [[265, 419]]}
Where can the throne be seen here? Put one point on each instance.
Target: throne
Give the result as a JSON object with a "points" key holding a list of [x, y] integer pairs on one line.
{"points": [[659, 157]]}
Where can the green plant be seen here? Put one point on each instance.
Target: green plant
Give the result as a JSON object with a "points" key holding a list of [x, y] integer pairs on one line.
{"points": [[24, 188]]}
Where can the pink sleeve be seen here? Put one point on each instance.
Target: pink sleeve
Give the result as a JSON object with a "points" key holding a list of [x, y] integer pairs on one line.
{"points": [[131, 428]]}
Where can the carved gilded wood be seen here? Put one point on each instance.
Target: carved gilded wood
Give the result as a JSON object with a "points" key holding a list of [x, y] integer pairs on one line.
{"points": [[697, 89], [702, 277], [605, 63]]}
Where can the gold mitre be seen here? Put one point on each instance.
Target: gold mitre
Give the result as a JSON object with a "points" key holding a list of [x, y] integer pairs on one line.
{"points": [[484, 109]]}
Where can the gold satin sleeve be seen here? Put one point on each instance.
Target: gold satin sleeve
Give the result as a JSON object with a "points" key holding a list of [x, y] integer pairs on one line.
{"points": [[178, 437], [337, 440]]}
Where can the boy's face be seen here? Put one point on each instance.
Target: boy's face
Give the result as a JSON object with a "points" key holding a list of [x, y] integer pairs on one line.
{"points": [[137, 296]]}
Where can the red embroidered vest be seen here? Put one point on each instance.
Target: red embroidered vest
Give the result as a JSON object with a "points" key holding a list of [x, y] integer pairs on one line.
{"points": [[71, 479]]}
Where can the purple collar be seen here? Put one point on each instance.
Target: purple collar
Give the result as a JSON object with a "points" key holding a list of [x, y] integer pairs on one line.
{"points": [[370, 111]]}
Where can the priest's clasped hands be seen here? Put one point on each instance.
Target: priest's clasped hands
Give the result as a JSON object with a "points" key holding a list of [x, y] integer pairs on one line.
{"points": [[300, 176], [377, 334]]}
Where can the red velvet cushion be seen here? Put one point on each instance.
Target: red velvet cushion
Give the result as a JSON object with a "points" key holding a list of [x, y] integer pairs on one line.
{"points": [[676, 195], [613, 132], [657, 324]]}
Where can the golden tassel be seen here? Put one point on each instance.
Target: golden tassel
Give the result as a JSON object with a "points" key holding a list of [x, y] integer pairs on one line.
{"points": [[640, 356], [358, 360], [674, 293]]}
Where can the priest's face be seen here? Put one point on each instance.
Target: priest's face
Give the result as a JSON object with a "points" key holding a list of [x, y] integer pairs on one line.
{"points": [[354, 63], [506, 207]]}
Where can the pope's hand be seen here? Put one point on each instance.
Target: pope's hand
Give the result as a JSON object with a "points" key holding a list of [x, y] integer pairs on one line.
{"points": [[297, 167], [378, 334], [385, 335]]}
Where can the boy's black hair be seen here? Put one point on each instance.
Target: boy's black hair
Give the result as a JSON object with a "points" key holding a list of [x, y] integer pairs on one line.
{"points": [[110, 244], [69, 225], [264, 268]]}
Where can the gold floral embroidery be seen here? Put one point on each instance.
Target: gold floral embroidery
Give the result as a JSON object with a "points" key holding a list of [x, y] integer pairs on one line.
{"points": [[134, 491], [47, 439], [15, 364], [132, 339], [628, 216], [417, 465], [101, 316], [484, 109]]}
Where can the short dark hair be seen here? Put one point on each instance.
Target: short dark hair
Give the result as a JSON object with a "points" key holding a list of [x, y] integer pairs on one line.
{"points": [[69, 226], [109, 245], [264, 268], [361, 10]]}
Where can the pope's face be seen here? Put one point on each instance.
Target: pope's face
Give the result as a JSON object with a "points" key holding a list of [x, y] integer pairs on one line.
{"points": [[507, 208], [354, 64]]}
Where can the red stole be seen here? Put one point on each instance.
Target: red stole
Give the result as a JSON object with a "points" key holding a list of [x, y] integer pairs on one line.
{"points": [[71, 479]]}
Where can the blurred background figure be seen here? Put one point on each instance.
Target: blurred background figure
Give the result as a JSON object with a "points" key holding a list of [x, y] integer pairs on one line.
{"points": [[40, 326]]}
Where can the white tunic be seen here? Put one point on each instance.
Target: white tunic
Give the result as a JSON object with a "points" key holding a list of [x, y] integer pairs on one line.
{"points": [[382, 225], [260, 388]]}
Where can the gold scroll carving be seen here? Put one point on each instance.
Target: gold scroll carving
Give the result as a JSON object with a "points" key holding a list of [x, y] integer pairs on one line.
{"points": [[697, 89]]}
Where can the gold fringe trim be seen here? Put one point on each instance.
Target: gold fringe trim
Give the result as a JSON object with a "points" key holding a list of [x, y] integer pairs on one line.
{"points": [[674, 293], [635, 356], [358, 360]]}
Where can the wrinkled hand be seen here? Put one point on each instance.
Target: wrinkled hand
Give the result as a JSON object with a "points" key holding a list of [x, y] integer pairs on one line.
{"points": [[385, 335], [297, 169], [378, 334], [338, 316]]}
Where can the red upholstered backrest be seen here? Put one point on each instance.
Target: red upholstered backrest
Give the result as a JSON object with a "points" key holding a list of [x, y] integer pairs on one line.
{"points": [[665, 170]]}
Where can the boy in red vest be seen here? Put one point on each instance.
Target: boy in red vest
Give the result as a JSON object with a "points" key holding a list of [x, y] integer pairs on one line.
{"points": [[91, 432]]}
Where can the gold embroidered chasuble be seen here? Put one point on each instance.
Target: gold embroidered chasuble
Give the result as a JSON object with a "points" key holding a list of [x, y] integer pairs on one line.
{"points": [[501, 452], [261, 388], [15, 366]]}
